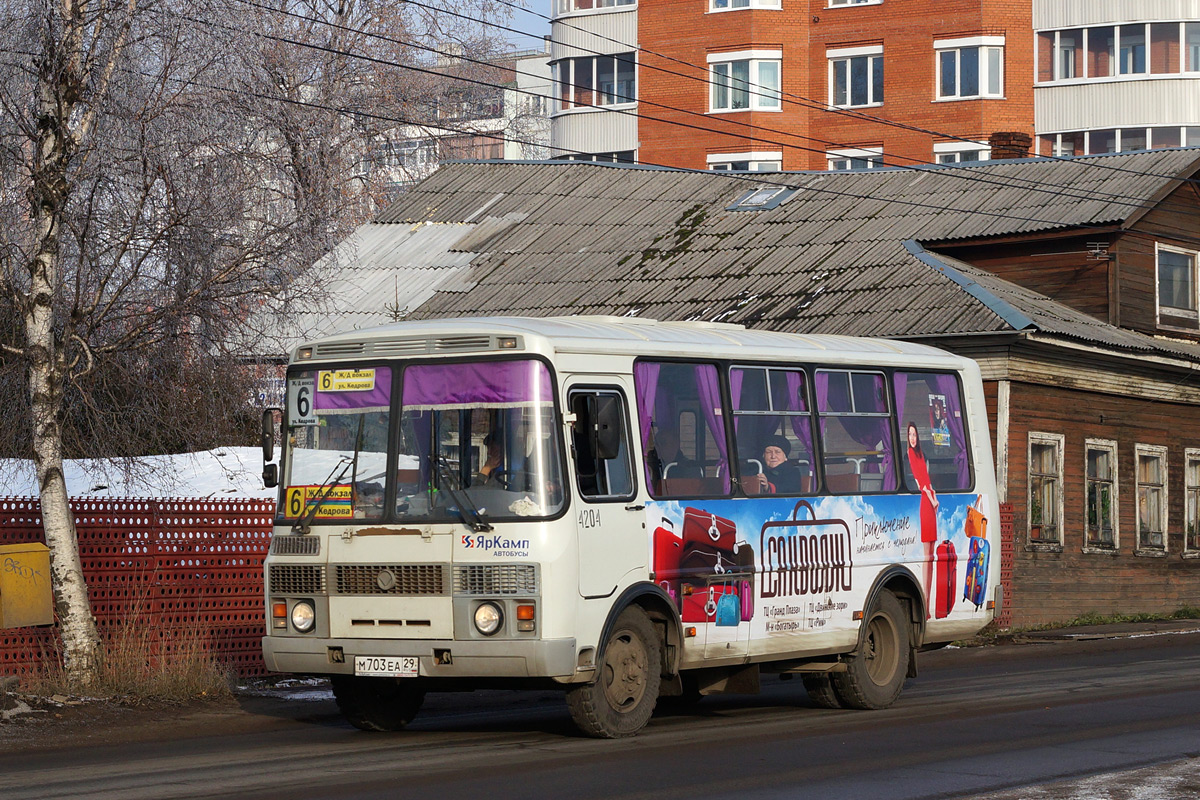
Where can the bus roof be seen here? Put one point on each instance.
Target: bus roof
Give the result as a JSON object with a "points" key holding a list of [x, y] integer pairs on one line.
{"points": [[609, 335]]}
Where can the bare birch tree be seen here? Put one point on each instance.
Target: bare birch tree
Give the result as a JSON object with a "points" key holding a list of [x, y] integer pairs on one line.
{"points": [[153, 193]]}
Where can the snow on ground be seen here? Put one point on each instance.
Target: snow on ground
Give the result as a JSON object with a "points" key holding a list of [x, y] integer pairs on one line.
{"points": [[232, 472]]}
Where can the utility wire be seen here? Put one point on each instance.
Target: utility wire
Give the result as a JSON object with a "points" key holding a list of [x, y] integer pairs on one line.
{"points": [[800, 100], [1033, 185]]}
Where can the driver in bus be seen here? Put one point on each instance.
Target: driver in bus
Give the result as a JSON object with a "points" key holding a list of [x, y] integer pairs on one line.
{"points": [[490, 471], [778, 476]]}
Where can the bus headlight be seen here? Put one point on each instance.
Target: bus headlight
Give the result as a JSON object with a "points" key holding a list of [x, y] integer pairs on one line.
{"points": [[304, 617], [488, 618]]}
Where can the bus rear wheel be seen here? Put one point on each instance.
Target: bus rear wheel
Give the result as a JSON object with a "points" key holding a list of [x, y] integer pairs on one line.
{"points": [[875, 674], [622, 698], [820, 690], [377, 704]]}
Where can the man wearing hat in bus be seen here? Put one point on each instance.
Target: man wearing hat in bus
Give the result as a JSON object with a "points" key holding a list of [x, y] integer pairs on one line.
{"points": [[778, 476]]}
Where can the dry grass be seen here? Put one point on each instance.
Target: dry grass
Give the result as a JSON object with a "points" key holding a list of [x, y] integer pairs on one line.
{"points": [[142, 663]]}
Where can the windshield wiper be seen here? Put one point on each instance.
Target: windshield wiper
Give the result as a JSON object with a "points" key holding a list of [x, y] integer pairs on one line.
{"points": [[463, 503], [304, 524]]}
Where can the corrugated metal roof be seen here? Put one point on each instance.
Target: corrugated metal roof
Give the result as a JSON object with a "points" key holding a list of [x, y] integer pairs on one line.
{"points": [[559, 238]]}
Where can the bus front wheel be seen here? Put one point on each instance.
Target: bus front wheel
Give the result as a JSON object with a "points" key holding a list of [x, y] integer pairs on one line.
{"points": [[620, 701], [377, 704], [875, 674]]}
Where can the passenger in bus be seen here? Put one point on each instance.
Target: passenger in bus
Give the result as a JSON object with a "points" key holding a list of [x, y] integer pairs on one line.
{"points": [[669, 461], [778, 476], [929, 505]]}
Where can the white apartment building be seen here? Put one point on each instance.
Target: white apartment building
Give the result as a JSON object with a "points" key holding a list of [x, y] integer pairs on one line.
{"points": [[593, 61], [1115, 75]]}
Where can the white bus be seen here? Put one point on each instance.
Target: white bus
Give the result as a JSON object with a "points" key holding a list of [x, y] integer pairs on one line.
{"points": [[626, 509]]}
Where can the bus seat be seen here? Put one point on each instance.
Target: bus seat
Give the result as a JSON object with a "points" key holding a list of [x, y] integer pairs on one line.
{"points": [[844, 483]]}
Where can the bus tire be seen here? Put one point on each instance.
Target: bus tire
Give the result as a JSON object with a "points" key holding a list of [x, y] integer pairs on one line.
{"points": [[820, 690], [377, 704], [622, 698], [875, 674]]}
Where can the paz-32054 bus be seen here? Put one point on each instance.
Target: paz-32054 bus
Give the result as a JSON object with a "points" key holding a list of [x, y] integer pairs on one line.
{"points": [[626, 509]]}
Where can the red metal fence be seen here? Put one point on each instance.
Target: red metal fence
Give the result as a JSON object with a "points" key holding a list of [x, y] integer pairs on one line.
{"points": [[1007, 553], [182, 568]]}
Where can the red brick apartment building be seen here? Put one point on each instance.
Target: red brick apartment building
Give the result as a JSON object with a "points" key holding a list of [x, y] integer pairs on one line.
{"points": [[823, 75]]}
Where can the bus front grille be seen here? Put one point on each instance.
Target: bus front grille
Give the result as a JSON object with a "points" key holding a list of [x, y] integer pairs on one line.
{"points": [[289, 544], [397, 579], [297, 579], [485, 579]]}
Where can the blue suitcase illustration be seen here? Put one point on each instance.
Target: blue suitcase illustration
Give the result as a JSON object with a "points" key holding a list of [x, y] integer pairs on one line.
{"points": [[977, 571]]}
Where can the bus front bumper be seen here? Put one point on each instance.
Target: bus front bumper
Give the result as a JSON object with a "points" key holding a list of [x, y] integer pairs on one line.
{"points": [[546, 658]]}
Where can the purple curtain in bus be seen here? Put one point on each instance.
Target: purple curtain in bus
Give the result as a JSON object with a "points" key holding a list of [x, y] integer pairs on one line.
{"points": [[801, 426], [467, 385], [645, 387], [377, 398], [948, 387], [708, 386], [867, 431], [423, 430], [900, 385]]}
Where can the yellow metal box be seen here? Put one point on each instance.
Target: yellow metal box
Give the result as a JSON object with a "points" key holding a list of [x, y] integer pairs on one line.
{"points": [[26, 597]]}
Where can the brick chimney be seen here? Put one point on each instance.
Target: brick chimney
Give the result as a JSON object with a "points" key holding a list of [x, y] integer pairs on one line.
{"points": [[1010, 144]]}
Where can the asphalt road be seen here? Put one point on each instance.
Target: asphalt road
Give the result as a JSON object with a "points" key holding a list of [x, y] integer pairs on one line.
{"points": [[1049, 719]]}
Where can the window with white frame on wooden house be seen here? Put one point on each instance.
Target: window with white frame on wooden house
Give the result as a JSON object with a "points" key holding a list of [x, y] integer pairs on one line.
{"points": [[1045, 488], [1177, 296], [1101, 494], [1151, 497], [1191, 488]]}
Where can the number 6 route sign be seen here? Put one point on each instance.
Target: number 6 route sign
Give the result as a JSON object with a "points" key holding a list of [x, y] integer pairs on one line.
{"points": [[300, 401]]}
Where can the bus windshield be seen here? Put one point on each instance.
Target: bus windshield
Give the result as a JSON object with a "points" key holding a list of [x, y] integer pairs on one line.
{"points": [[480, 435], [338, 421]]}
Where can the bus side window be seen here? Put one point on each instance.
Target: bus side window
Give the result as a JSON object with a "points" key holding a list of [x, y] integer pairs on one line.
{"points": [[601, 445]]}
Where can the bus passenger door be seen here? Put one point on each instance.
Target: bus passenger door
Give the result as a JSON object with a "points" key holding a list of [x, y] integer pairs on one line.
{"points": [[612, 539]]}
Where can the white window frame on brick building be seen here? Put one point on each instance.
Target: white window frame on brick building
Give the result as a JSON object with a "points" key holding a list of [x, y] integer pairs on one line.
{"points": [[855, 158], [1045, 486], [1151, 494], [738, 5], [745, 80], [841, 3], [1095, 538], [1191, 503], [961, 152], [987, 53], [848, 63], [752, 160]]}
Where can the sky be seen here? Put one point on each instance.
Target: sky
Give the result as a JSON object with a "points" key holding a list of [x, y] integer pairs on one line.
{"points": [[535, 26]]}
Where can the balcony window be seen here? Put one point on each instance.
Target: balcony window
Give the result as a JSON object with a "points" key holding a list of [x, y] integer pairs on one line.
{"points": [[1101, 52], [595, 81], [1132, 57]]}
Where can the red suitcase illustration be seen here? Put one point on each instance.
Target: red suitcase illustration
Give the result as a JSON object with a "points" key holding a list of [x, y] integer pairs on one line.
{"points": [[727, 600], [668, 551], [946, 579], [703, 528]]}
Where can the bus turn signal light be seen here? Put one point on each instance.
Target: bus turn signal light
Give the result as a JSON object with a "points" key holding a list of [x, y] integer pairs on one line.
{"points": [[525, 618], [279, 614]]}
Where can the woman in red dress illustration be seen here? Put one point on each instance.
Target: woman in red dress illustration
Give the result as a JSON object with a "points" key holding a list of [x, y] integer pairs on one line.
{"points": [[929, 506]]}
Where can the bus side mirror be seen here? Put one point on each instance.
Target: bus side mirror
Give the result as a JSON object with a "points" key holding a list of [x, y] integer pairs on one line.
{"points": [[606, 426], [270, 473]]}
